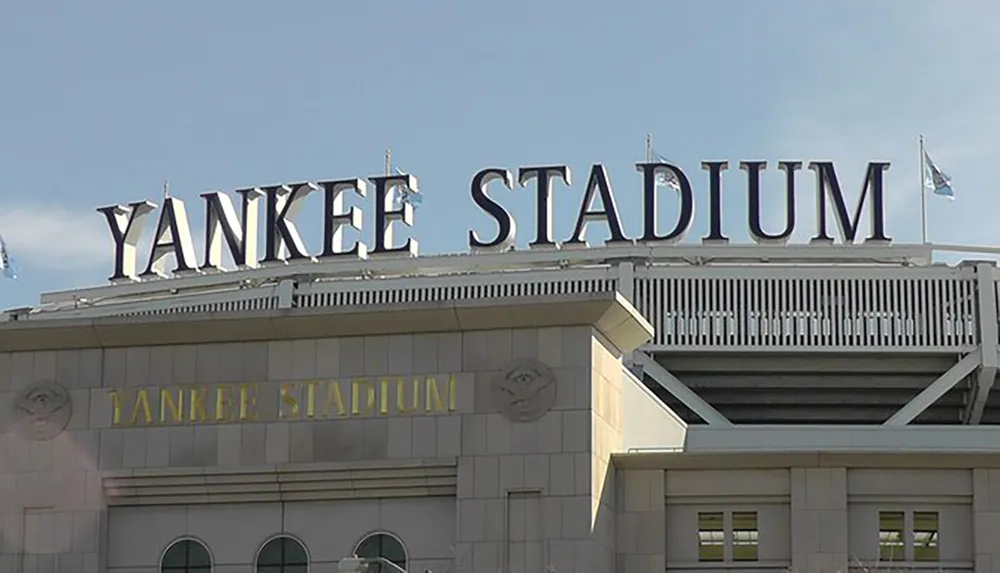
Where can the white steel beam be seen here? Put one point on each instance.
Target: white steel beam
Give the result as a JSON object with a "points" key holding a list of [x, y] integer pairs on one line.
{"points": [[938, 388], [679, 390], [988, 340]]}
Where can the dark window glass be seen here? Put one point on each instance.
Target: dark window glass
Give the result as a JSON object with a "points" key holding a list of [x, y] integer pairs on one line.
{"points": [[187, 556], [282, 555], [711, 536], [385, 546], [890, 535]]}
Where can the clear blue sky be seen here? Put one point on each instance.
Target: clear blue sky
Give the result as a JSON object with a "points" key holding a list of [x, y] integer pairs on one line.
{"points": [[102, 101]]}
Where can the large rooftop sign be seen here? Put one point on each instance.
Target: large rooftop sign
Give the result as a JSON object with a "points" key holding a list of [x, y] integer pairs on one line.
{"points": [[283, 243]]}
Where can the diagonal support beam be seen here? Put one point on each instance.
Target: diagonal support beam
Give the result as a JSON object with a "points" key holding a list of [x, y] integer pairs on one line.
{"points": [[985, 378], [938, 388], [679, 390], [986, 287]]}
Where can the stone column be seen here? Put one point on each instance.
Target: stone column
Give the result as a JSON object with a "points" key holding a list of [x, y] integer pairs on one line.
{"points": [[819, 520]]}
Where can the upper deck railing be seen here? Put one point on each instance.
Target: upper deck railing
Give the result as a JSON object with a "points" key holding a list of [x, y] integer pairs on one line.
{"points": [[699, 299]]}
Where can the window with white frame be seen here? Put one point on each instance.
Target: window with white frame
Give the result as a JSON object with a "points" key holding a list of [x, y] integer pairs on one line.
{"points": [[899, 529], [743, 536]]}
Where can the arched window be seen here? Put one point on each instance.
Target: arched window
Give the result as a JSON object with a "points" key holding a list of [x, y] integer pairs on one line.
{"points": [[282, 555], [386, 546], [186, 556]]}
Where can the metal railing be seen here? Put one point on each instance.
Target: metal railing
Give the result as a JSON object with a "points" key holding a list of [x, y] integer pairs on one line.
{"points": [[694, 305], [788, 308]]}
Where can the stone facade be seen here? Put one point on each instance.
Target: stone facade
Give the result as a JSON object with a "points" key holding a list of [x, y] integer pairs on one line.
{"points": [[811, 516], [461, 484]]}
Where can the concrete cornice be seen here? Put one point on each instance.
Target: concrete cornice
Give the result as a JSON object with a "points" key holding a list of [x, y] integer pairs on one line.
{"points": [[282, 482], [609, 312], [806, 459]]}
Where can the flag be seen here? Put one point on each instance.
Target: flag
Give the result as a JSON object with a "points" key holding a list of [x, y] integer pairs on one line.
{"points": [[407, 195], [7, 268], [667, 178], [936, 180]]}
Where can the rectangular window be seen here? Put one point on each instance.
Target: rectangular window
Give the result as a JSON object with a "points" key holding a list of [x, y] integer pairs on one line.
{"points": [[711, 536], [890, 536], [745, 536], [925, 536]]}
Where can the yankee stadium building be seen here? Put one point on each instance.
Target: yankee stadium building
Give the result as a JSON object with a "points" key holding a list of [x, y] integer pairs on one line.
{"points": [[637, 407]]}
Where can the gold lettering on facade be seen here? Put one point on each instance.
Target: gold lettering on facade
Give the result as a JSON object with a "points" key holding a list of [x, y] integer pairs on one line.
{"points": [[223, 402], [116, 408], [175, 406], [288, 398], [313, 399], [434, 402], [141, 406], [198, 411], [248, 402], [334, 401], [401, 406], [361, 405], [383, 397]]}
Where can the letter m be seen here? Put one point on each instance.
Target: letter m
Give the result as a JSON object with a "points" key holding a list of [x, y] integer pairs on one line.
{"points": [[828, 188]]}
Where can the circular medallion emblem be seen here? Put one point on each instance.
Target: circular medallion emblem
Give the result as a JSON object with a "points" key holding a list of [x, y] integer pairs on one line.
{"points": [[525, 391], [42, 411]]}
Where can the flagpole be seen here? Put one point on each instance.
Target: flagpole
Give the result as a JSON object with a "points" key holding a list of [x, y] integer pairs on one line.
{"points": [[388, 161], [923, 194], [649, 148]]}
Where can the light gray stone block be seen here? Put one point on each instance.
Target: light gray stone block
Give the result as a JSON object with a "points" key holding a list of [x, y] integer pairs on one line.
{"points": [[328, 358], [424, 436], [111, 443], [352, 356], [22, 370], [279, 360], [161, 367], [476, 351], [253, 444], [157, 447], [524, 344], [511, 476], [376, 355], [91, 366], [134, 448], [425, 353], [231, 357], [486, 484], [208, 364], [449, 436], [300, 449], [44, 367], [80, 419], [303, 364], [181, 440], [399, 440], [474, 434], [67, 370], [499, 347], [185, 365], [576, 430], [401, 354], [256, 358], [276, 448], [230, 444], [137, 366], [450, 352], [498, 435]]}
